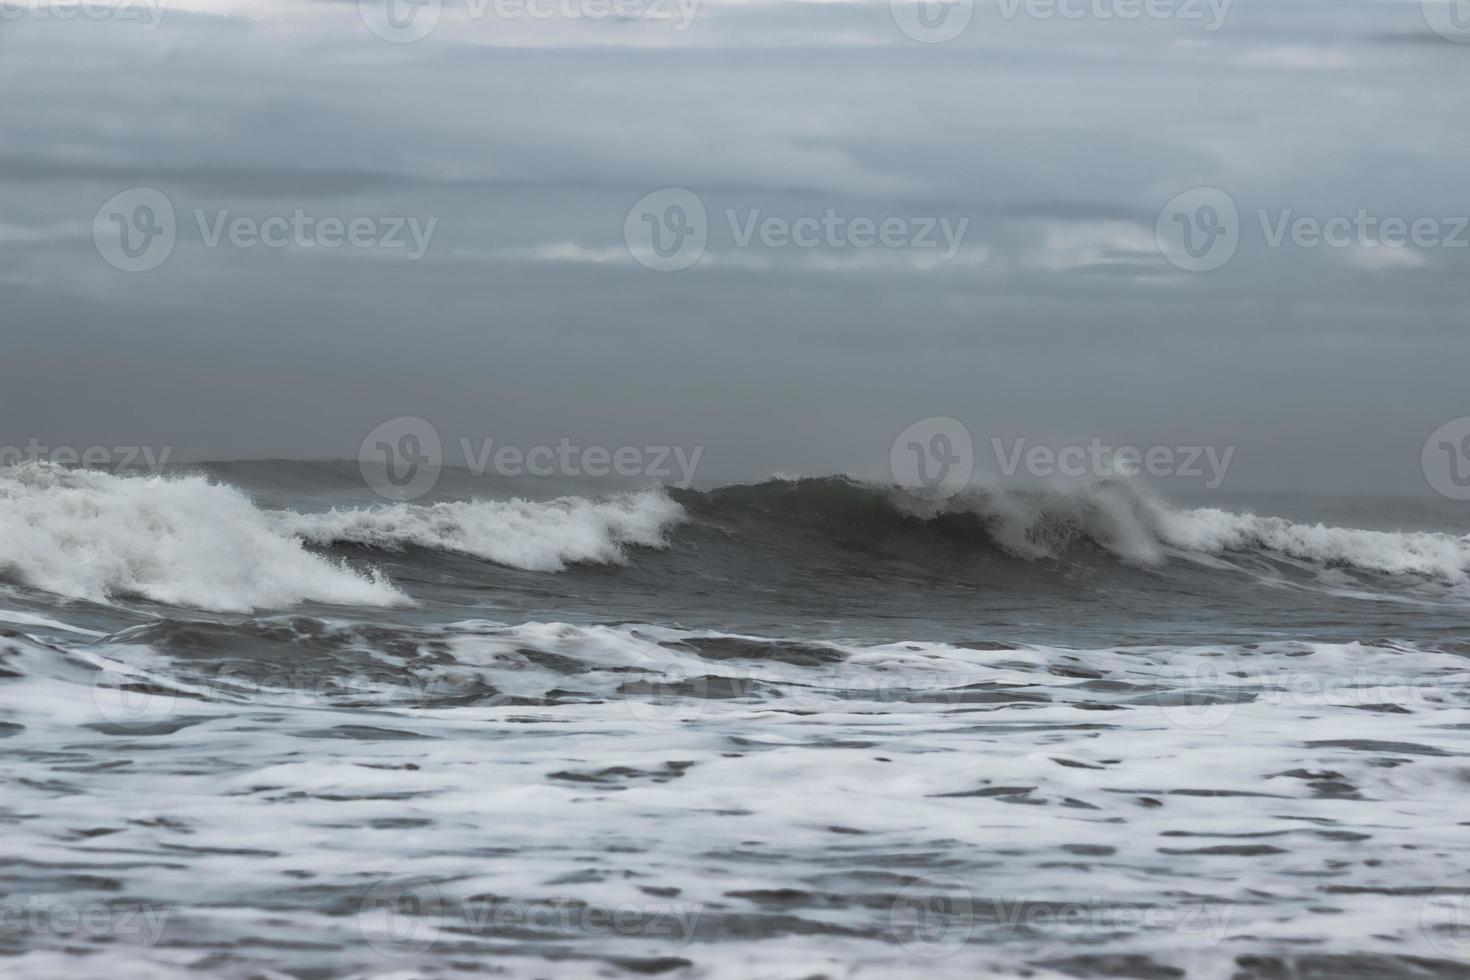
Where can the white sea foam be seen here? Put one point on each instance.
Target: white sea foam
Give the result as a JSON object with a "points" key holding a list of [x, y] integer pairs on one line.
{"points": [[187, 541], [1127, 522], [1394, 552], [537, 536], [841, 791], [183, 541]]}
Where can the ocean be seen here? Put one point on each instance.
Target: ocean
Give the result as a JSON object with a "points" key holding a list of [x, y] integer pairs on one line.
{"points": [[255, 722]]}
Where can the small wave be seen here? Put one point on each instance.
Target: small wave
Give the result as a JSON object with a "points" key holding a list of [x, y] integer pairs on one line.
{"points": [[183, 541], [536, 536]]}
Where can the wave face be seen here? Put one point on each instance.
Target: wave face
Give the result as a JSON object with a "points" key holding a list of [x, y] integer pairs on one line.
{"points": [[1112, 516]]}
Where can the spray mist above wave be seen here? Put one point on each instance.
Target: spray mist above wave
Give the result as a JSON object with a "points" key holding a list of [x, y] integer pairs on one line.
{"points": [[181, 541], [1115, 516]]}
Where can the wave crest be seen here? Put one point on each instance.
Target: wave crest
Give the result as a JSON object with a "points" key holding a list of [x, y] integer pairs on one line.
{"points": [[1114, 516], [535, 536], [1388, 552], [182, 541]]}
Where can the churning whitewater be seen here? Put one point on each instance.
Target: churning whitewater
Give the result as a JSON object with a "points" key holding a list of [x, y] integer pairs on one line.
{"points": [[260, 725]]}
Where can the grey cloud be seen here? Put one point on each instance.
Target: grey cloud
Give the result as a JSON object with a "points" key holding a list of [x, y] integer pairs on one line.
{"points": [[1326, 374]]}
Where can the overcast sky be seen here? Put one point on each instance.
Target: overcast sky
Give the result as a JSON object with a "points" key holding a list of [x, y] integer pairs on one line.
{"points": [[1046, 147]]}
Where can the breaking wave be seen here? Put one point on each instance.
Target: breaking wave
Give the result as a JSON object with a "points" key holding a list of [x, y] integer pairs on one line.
{"points": [[1213, 531], [182, 541], [1113, 516], [190, 540], [535, 536]]}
